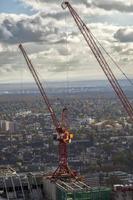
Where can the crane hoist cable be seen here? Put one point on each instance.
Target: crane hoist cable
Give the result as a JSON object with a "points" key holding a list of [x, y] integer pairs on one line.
{"points": [[112, 59], [64, 116]]}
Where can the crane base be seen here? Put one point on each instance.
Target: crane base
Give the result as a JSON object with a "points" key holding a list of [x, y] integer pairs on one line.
{"points": [[64, 172]]}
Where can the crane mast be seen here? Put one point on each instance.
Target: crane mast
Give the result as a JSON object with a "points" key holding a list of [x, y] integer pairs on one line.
{"points": [[90, 39], [64, 136]]}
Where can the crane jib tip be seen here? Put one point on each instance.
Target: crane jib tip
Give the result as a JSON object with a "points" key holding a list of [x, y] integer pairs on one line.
{"points": [[64, 4], [20, 45]]}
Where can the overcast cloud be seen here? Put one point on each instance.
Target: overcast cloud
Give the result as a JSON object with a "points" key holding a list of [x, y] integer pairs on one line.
{"points": [[54, 43]]}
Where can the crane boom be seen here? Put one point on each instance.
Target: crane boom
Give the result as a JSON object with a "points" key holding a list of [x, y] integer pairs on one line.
{"points": [[90, 39], [40, 87]]}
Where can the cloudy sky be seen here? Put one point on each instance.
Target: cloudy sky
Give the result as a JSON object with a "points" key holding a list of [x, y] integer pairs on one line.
{"points": [[55, 45]]}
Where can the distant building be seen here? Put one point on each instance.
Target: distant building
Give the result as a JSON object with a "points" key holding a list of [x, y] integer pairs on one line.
{"points": [[8, 126], [123, 192]]}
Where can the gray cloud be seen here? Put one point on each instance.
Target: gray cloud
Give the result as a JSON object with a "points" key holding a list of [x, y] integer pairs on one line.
{"points": [[58, 2], [122, 6], [124, 35], [25, 30], [119, 5], [37, 28]]}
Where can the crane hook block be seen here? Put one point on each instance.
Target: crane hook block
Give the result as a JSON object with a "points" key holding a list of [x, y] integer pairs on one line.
{"points": [[64, 4]]}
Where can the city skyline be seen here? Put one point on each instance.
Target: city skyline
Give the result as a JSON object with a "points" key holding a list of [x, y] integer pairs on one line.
{"points": [[54, 43]]}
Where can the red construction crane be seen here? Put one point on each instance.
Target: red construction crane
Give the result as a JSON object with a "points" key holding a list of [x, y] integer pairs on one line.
{"points": [[64, 136], [93, 44]]}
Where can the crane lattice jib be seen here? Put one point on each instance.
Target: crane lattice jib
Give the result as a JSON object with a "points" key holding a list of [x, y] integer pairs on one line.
{"points": [[89, 38], [41, 89], [64, 135]]}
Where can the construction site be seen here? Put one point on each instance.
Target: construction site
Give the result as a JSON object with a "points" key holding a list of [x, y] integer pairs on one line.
{"points": [[64, 183], [38, 186]]}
